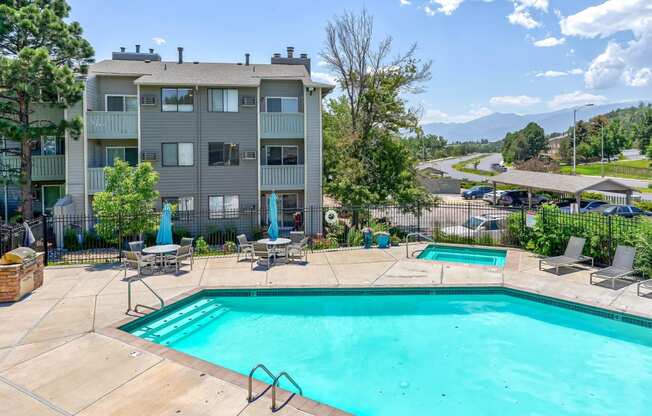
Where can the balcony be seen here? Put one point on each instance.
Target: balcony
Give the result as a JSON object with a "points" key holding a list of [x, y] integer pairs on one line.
{"points": [[44, 168], [281, 177], [281, 126], [112, 125], [95, 180]]}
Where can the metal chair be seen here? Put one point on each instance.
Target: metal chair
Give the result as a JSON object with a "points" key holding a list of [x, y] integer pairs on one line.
{"points": [[136, 260], [136, 246], [262, 254], [186, 241], [571, 256], [244, 247], [176, 260], [299, 249], [623, 265]]}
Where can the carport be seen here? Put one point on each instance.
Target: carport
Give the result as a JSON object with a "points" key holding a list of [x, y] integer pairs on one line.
{"points": [[562, 184]]}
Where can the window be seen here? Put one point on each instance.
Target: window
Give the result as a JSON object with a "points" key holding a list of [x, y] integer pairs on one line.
{"points": [[177, 154], [128, 154], [184, 204], [177, 99], [222, 100], [224, 206], [282, 104], [282, 155], [49, 145], [223, 154], [121, 103]]}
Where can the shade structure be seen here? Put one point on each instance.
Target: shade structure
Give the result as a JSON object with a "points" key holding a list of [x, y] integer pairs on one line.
{"points": [[272, 231], [164, 235]]}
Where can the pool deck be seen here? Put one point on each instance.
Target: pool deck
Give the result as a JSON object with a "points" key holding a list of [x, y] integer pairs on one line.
{"points": [[60, 353]]}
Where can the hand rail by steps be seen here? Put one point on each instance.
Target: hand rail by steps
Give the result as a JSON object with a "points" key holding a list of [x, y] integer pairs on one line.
{"points": [[135, 308], [407, 242], [275, 384]]}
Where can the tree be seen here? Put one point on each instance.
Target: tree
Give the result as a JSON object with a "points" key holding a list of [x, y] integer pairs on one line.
{"points": [[41, 54], [127, 204], [524, 144], [643, 128]]}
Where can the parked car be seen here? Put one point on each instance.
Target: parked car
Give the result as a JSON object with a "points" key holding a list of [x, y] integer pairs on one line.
{"points": [[476, 192], [585, 205], [489, 196], [519, 198], [498, 167], [628, 211], [478, 226]]}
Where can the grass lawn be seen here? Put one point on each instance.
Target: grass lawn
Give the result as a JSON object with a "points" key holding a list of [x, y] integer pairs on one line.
{"points": [[614, 169], [466, 166]]}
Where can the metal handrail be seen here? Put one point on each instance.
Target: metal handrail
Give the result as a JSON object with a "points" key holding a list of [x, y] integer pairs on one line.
{"points": [[407, 242], [276, 383], [135, 308], [250, 397]]}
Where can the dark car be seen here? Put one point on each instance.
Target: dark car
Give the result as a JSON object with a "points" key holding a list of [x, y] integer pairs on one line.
{"points": [[477, 192], [585, 205], [519, 198], [627, 211]]}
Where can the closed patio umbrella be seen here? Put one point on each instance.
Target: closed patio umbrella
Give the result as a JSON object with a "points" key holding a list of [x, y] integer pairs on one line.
{"points": [[164, 235], [272, 232]]}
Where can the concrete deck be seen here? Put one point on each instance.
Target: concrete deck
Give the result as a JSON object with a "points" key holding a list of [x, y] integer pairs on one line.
{"points": [[57, 358]]}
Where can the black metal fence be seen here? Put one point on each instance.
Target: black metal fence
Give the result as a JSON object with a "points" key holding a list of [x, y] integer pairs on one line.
{"points": [[82, 239]]}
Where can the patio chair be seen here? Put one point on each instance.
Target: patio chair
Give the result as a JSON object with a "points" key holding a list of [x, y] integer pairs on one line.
{"points": [[262, 254], [299, 249], [244, 247], [177, 259], [136, 246], [136, 260], [571, 256], [623, 265], [186, 241], [296, 236], [645, 284]]}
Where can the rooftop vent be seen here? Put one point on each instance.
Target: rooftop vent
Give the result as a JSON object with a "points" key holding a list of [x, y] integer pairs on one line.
{"points": [[247, 59], [137, 48], [180, 49], [123, 55], [290, 50]]}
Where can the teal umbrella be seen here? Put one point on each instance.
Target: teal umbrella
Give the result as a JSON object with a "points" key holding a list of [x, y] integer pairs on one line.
{"points": [[272, 232], [164, 235]]}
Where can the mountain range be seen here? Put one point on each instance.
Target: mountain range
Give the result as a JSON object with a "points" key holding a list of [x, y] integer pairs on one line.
{"points": [[496, 125]]}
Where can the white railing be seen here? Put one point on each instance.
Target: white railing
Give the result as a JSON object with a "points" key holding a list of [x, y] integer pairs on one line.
{"points": [[281, 177], [281, 125], [112, 124]]}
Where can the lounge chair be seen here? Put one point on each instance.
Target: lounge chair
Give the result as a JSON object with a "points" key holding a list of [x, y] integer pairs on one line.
{"points": [[244, 247], [136, 260], [177, 259], [571, 256], [262, 254], [298, 249], [645, 284], [136, 246], [623, 265]]}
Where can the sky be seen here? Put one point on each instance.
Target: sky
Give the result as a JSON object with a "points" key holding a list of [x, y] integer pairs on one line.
{"points": [[521, 56]]}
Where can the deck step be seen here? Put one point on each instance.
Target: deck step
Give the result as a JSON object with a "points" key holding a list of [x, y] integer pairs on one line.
{"points": [[168, 323]]}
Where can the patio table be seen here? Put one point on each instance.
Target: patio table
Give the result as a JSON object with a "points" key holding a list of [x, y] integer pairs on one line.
{"points": [[280, 243], [160, 252]]}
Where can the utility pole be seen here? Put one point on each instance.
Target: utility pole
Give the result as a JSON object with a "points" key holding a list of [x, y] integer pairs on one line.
{"points": [[602, 152], [575, 110]]}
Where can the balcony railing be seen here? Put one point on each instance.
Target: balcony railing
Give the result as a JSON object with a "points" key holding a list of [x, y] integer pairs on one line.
{"points": [[112, 125], [281, 125], [95, 179], [281, 177], [44, 168]]}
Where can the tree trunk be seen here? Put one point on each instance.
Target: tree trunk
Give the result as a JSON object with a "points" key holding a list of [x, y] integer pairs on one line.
{"points": [[26, 179]]}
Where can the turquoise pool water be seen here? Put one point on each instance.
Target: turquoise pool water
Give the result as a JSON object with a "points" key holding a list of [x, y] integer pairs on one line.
{"points": [[466, 255], [447, 354]]}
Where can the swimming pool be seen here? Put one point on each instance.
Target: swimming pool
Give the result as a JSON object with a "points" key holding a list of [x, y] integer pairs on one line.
{"points": [[465, 255], [421, 351]]}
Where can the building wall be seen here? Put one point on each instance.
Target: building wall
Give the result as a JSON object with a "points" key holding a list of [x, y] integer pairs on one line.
{"points": [[112, 85], [274, 88], [75, 163], [313, 143]]}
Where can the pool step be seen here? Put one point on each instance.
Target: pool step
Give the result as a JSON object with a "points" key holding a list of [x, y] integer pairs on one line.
{"points": [[191, 326], [161, 327]]}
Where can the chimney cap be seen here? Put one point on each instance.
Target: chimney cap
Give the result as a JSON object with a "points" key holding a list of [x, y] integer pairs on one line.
{"points": [[151, 50], [290, 50], [304, 55], [122, 49], [180, 49]]}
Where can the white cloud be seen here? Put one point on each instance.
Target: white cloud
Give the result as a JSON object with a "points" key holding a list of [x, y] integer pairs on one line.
{"points": [[555, 74], [619, 62], [159, 40], [324, 77], [446, 7], [405, 2], [574, 99], [549, 42], [437, 116], [576, 71], [514, 100], [521, 15]]}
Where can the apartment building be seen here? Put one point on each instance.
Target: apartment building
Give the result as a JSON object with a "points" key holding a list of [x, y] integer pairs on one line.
{"points": [[222, 136]]}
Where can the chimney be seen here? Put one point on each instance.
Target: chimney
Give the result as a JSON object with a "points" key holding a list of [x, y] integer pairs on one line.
{"points": [[137, 48], [180, 49], [122, 49], [247, 59], [304, 56], [302, 59], [290, 50], [151, 50]]}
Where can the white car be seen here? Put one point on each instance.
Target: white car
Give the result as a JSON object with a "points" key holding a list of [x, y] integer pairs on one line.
{"points": [[489, 197], [478, 226]]}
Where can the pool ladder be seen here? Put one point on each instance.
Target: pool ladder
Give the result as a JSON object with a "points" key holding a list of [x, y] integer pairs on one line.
{"points": [[135, 308], [275, 384], [407, 243]]}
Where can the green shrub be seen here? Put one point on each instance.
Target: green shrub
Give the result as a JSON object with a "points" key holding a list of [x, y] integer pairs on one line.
{"points": [[355, 238], [202, 248], [644, 205], [256, 233], [395, 240], [229, 247], [323, 243], [178, 233], [71, 239], [593, 195]]}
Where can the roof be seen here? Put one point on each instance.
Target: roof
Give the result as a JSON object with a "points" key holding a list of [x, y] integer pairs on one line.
{"points": [[204, 74], [559, 183]]}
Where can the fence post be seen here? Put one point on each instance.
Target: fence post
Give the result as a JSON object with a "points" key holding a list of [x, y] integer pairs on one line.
{"points": [[418, 217], [609, 218], [44, 223], [119, 237], [468, 217]]}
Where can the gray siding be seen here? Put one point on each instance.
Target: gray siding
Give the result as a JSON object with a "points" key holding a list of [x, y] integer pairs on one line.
{"points": [[201, 127], [92, 99], [75, 163], [313, 159], [113, 85], [281, 89]]}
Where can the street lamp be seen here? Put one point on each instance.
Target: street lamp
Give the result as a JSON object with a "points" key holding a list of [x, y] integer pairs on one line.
{"points": [[575, 110]]}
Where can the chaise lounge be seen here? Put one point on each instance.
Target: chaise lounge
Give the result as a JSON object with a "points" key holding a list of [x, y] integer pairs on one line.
{"points": [[623, 265], [571, 256]]}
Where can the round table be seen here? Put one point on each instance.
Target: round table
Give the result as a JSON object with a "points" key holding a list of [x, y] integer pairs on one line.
{"points": [[280, 242], [161, 251]]}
